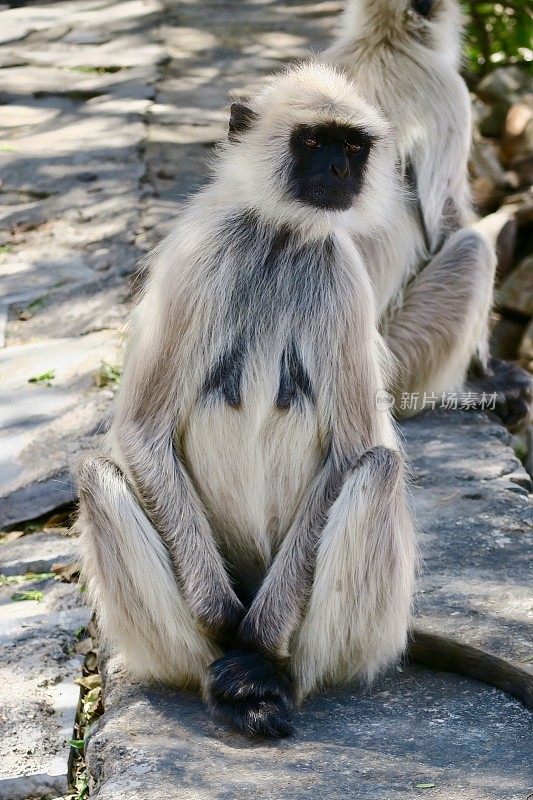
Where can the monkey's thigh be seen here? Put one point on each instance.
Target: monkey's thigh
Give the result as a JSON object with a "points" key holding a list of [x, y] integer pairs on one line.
{"points": [[358, 612], [132, 583]]}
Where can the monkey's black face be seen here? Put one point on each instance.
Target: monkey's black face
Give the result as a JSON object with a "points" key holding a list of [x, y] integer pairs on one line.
{"points": [[328, 164]]}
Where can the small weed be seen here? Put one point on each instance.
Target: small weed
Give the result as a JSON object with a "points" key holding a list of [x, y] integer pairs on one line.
{"points": [[45, 379], [32, 594], [77, 744], [95, 70], [108, 373], [16, 580]]}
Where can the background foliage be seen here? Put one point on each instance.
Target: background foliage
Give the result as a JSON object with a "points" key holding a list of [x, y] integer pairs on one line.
{"points": [[498, 34]]}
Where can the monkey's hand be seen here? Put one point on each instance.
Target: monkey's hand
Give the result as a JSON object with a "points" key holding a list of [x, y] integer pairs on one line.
{"points": [[251, 693], [222, 619], [512, 386]]}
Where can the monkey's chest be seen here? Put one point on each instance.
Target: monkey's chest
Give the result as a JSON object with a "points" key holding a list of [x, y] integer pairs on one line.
{"points": [[253, 444]]}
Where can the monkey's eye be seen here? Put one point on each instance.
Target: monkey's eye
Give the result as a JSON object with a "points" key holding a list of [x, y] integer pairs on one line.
{"points": [[423, 7], [353, 148], [310, 141]]}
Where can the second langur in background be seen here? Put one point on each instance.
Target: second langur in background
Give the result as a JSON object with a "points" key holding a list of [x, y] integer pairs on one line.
{"points": [[246, 531], [432, 271]]}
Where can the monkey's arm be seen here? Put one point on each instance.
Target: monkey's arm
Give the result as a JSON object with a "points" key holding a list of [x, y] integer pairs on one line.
{"points": [[144, 432], [277, 608]]}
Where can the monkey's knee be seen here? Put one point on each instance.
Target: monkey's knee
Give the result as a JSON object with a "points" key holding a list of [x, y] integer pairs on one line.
{"points": [[470, 250], [381, 461]]}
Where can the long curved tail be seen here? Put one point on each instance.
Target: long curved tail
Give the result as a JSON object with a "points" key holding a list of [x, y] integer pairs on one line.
{"points": [[441, 653]]}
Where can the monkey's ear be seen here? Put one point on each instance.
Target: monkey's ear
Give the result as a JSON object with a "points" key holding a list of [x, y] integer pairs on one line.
{"points": [[241, 118]]}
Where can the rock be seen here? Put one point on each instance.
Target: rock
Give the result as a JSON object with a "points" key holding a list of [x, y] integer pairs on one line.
{"points": [[517, 141], [414, 727], [503, 86], [38, 696], [3, 323], [525, 349], [489, 180], [505, 337], [500, 88], [516, 292], [93, 307], [44, 431], [25, 279], [505, 247], [491, 121], [37, 552]]}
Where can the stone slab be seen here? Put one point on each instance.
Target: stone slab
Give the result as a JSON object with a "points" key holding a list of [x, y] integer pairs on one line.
{"points": [[35, 553], [77, 86], [41, 433], [413, 727], [38, 696]]}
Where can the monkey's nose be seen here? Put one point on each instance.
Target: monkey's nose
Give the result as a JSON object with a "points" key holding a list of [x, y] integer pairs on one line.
{"points": [[340, 170]]}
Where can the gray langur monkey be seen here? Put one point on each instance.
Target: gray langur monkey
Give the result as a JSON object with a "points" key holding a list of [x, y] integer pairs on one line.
{"points": [[433, 270], [247, 531]]}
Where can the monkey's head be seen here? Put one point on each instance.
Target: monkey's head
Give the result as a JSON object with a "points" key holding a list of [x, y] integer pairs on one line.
{"points": [[433, 24], [309, 146]]}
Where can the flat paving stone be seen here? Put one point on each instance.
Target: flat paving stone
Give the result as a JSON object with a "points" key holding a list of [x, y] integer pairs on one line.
{"points": [[77, 87], [37, 552], [414, 727], [43, 431], [38, 696]]}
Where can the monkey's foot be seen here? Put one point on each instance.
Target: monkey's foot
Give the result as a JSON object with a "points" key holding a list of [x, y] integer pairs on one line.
{"points": [[250, 693], [513, 388]]}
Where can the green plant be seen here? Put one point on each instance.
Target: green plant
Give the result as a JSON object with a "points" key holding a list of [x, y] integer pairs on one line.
{"points": [[498, 34], [45, 379]]}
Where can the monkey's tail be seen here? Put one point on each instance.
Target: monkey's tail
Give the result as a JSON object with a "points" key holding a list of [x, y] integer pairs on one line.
{"points": [[441, 653]]}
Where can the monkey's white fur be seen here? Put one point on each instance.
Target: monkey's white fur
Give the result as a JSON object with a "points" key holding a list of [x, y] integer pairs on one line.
{"points": [[202, 487], [433, 290]]}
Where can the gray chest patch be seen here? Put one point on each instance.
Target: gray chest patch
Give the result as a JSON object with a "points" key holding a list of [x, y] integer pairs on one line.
{"points": [[294, 381]]}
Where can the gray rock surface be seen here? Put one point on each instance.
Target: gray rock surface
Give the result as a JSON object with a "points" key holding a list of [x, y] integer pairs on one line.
{"points": [[414, 727], [38, 696], [77, 83], [37, 552]]}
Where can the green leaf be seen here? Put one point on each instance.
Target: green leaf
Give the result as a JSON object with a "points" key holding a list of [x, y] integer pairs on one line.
{"points": [[44, 378], [32, 594], [108, 373], [78, 633], [77, 744], [425, 785]]}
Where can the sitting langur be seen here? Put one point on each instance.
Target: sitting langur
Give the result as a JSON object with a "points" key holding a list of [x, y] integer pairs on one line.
{"points": [[433, 271], [254, 508], [248, 534]]}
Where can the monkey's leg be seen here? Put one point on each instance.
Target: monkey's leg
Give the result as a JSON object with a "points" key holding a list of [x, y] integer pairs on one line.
{"points": [[132, 583], [442, 324], [358, 612]]}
